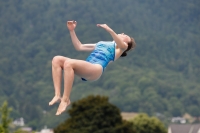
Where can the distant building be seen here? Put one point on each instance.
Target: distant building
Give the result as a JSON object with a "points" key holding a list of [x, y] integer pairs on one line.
{"points": [[178, 120], [46, 131], [19, 122], [27, 129], [128, 115], [184, 128]]}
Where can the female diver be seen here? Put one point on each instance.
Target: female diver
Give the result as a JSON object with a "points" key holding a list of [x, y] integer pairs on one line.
{"points": [[102, 54]]}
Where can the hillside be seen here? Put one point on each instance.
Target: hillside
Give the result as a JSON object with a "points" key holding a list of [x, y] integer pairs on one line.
{"points": [[160, 75]]}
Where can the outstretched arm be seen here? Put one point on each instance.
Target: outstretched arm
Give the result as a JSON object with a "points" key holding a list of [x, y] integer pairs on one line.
{"points": [[115, 37], [77, 44]]}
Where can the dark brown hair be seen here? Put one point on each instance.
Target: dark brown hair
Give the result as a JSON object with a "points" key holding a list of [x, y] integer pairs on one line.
{"points": [[131, 45]]}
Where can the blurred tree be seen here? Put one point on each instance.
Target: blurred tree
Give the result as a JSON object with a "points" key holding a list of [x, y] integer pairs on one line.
{"points": [[94, 114], [5, 119], [142, 123], [1, 129], [194, 111], [20, 131], [176, 109]]}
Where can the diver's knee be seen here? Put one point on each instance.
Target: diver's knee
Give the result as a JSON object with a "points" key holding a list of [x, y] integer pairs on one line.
{"points": [[67, 64], [56, 60], [59, 60]]}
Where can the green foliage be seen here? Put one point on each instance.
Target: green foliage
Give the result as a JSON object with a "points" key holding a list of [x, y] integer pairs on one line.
{"points": [[160, 75], [20, 131], [2, 129], [5, 119], [142, 123], [96, 115]]}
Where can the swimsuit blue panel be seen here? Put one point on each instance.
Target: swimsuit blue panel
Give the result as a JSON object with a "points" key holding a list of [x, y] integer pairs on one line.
{"points": [[103, 53]]}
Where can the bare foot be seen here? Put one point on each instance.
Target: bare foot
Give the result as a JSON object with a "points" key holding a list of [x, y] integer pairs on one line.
{"points": [[62, 107], [54, 100]]}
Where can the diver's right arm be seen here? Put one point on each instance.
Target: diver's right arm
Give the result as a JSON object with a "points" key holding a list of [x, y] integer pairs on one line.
{"points": [[77, 44]]}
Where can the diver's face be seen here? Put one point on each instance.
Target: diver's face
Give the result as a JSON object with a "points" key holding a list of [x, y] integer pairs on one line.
{"points": [[124, 37]]}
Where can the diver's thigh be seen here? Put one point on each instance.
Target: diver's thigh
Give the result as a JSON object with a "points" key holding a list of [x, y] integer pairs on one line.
{"points": [[86, 69]]}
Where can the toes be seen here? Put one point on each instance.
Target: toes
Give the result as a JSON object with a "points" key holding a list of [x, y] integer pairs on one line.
{"points": [[54, 100], [62, 107], [57, 113]]}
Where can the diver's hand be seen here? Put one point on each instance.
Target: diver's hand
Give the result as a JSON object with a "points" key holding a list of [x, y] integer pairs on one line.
{"points": [[71, 25], [105, 26]]}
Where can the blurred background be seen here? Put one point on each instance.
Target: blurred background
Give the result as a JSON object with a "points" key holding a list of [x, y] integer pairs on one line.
{"points": [[161, 77]]}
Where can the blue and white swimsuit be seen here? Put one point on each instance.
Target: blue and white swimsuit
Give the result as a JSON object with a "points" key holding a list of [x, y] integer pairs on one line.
{"points": [[103, 53]]}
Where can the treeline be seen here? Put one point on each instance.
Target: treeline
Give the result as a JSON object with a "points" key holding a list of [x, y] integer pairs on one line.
{"points": [[96, 114], [91, 114], [160, 75]]}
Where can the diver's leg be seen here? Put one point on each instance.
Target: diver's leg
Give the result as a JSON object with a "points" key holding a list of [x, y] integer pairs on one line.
{"points": [[81, 68], [57, 65]]}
